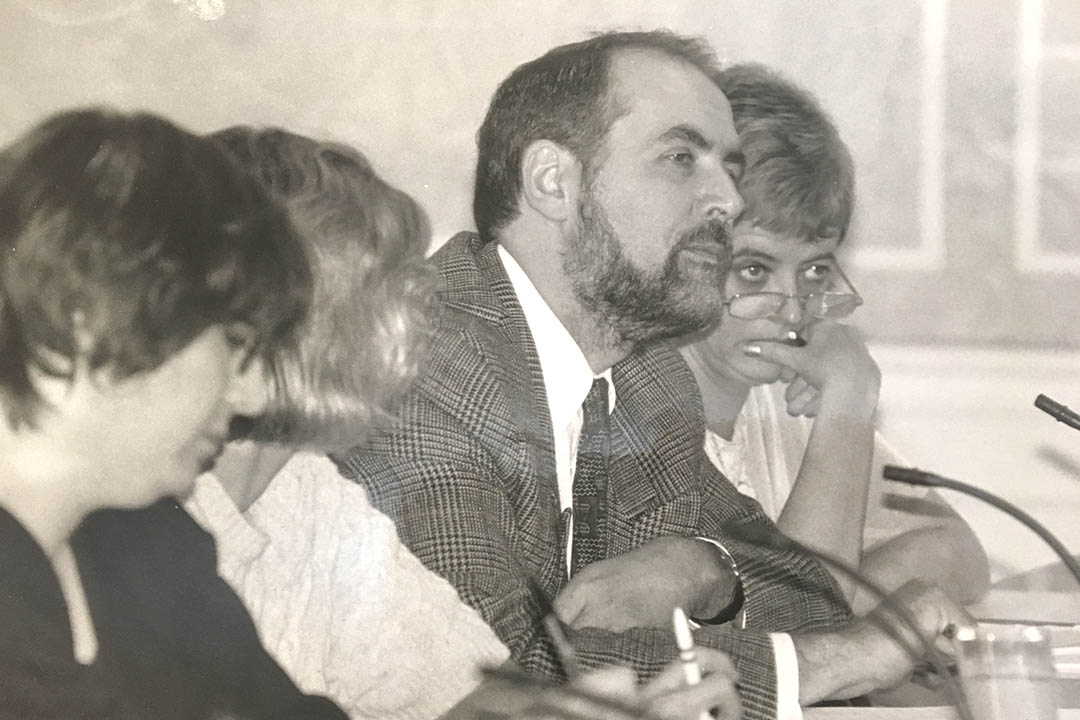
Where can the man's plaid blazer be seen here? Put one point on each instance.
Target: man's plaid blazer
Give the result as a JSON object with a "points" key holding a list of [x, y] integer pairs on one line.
{"points": [[468, 474]]}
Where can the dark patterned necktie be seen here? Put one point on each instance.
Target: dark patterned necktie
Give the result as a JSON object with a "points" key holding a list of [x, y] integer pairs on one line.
{"points": [[590, 478]]}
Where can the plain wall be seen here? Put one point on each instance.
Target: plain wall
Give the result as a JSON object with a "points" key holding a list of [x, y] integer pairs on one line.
{"points": [[972, 299]]}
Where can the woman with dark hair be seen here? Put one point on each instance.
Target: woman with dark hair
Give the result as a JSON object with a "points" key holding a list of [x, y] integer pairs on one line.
{"points": [[341, 604], [144, 282]]}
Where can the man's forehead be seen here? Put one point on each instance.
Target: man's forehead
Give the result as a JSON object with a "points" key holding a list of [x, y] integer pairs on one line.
{"points": [[661, 92]]}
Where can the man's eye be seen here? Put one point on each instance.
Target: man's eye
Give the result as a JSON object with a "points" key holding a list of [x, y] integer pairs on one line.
{"points": [[681, 157]]}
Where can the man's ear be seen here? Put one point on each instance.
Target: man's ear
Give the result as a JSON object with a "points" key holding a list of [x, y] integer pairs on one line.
{"points": [[550, 179]]}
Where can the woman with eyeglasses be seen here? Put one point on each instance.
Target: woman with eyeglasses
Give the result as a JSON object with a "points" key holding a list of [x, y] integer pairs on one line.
{"points": [[789, 390]]}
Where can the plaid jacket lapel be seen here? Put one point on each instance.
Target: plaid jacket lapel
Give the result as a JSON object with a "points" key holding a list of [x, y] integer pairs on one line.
{"points": [[474, 281], [653, 484]]}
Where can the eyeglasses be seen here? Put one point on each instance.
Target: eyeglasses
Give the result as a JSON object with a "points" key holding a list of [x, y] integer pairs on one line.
{"points": [[821, 305]]}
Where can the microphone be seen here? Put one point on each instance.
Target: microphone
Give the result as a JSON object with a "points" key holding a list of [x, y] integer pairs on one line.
{"points": [[912, 476], [1058, 411], [761, 537]]}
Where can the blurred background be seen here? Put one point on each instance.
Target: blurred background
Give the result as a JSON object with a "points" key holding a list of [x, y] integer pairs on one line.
{"points": [[963, 117]]}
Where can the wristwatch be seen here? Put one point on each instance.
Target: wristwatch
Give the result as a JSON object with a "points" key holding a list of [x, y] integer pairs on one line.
{"points": [[732, 610]]}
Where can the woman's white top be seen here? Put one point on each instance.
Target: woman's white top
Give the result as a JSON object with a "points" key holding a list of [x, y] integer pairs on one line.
{"points": [[341, 604]]}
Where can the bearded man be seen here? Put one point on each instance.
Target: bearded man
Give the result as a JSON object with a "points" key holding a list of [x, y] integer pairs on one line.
{"points": [[551, 451]]}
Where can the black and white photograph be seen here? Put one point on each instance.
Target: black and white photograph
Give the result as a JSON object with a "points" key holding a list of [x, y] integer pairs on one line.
{"points": [[539, 360]]}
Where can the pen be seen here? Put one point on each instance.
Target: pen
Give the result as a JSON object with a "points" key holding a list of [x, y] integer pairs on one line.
{"points": [[684, 640], [555, 630], [562, 645]]}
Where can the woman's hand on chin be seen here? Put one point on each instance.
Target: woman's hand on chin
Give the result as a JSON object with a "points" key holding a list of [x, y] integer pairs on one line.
{"points": [[832, 372]]}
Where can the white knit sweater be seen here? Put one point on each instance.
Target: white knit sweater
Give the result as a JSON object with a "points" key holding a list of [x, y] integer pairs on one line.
{"points": [[342, 605]]}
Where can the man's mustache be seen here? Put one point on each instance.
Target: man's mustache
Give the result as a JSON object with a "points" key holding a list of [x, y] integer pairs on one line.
{"points": [[712, 231]]}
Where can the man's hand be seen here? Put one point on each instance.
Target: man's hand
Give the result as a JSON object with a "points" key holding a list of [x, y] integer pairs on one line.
{"points": [[930, 609], [665, 697], [833, 368], [641, 587], [866, 656], [668, 697]]}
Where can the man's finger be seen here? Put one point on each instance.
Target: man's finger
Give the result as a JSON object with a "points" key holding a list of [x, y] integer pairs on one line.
{"points": [[715, 661], [672, 678], [569, 604], [612, 681], [714, 691]]}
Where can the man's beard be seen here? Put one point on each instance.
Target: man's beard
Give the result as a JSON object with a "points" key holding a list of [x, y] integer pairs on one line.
{"points": [[640, 306]]}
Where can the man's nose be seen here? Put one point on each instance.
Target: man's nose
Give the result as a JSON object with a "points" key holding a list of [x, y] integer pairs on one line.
{"points": [[721, 199]]}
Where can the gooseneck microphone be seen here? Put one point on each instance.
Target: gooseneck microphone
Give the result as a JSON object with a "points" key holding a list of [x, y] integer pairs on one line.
{"points": [[1058, 411], [912, 476], [761, 537]]}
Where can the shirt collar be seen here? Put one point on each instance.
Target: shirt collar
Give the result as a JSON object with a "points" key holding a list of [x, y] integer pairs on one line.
{"points": [[567, 375]]}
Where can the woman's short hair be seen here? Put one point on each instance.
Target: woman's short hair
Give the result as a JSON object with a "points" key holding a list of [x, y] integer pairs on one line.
{"points": [[124, 237], [799, 178], [361, 345]]}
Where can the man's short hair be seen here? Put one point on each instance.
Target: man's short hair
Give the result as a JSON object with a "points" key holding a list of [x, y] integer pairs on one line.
{"points": [[563, 96], [799, 178], [361, 344], [125, 237]]}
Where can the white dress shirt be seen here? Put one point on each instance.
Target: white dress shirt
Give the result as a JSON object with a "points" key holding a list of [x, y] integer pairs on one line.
{"points": [[567, 380]]}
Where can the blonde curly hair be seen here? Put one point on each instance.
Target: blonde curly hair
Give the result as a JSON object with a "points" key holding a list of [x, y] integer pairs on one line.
{"points": [[363, 339]]}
